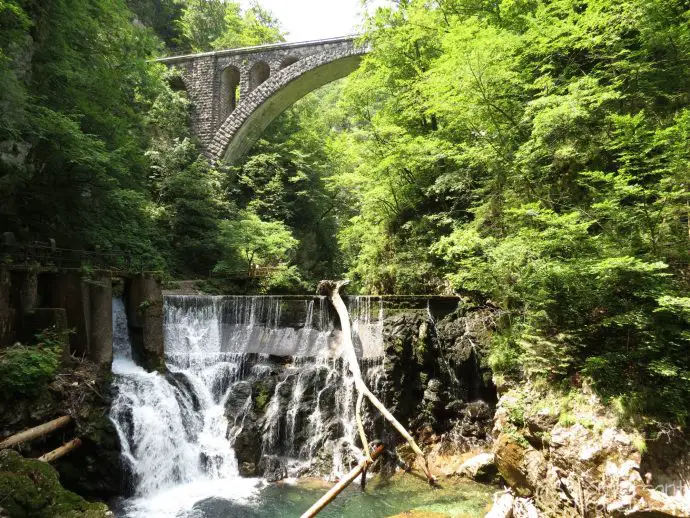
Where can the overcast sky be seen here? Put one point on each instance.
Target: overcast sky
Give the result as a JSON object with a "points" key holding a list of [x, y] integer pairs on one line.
{"points": [[316, 19]]}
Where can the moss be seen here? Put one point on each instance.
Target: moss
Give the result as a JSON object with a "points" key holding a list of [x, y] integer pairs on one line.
{"points": [[516, 436], [262, 397], [399, 345], [31, 489]]}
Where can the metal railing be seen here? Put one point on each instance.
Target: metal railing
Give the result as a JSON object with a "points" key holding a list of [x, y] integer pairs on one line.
{"points": [[51, 257]]}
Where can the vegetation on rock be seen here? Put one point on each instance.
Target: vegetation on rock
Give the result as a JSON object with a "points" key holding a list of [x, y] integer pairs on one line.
{"points": [[26, 369], [534, 154], [31, 489]]}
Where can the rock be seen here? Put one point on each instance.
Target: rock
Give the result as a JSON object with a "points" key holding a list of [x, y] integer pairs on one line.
{"points": [[247, 469], [431, 393], [502, 507], [524, 508], [238, 399], [30, 488], [583, 467], [420, 514], [651, 502], [481, 468], [406, 454], [520, 465], [272, 468], [248, 448]]}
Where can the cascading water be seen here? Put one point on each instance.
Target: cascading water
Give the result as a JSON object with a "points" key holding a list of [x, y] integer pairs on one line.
{"points": [[254, 386]]}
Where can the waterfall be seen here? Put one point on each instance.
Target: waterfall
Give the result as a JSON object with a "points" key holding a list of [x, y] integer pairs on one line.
{"points": [[253, 385]]}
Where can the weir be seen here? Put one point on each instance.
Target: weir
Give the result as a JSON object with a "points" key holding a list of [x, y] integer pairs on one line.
{"points": [[254, 387]]}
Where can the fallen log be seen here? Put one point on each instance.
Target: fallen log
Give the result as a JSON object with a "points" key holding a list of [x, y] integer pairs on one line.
{"points": [[61, 451], [338, 488], [332, 289], [37, 431]]}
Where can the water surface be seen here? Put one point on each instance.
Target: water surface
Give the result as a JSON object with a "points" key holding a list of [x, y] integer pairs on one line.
{"points": [[382, 498]]}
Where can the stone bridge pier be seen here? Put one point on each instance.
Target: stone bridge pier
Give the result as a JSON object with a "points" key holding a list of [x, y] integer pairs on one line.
{"points": [[235, 94]]}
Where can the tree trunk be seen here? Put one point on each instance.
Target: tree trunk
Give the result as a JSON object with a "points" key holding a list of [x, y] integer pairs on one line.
{"points": [[61, 451], [332, 288], [38, 431], [337, 489]]}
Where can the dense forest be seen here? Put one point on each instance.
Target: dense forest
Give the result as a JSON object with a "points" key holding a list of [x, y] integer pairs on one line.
{"points": [[529, 153]]}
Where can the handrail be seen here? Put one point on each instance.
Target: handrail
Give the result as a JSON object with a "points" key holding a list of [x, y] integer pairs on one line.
{"points": [[49, 256]]}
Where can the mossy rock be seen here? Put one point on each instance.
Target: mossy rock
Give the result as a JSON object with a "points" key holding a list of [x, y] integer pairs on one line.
{"points": [[31, 489], [520, 465]]}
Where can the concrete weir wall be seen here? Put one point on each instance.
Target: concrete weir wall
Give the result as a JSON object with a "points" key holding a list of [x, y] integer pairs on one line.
{"points": [[144, 303], [31, 301]]}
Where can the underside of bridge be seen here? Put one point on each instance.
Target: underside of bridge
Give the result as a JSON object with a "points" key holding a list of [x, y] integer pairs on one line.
{"points": [[236, 94]]}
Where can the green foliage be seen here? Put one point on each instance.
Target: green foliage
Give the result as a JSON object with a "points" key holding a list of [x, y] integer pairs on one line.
{"points": [[72, 166], [284, 179], [534, 153], [250, 242], [160, 15], [218, 24], [25, 370]]}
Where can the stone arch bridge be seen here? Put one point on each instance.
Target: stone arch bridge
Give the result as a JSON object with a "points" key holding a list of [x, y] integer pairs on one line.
{"points": [[235, 94]]}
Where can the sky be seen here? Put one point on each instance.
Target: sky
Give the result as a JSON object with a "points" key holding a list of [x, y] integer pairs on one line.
{"points": [[316, 19]]}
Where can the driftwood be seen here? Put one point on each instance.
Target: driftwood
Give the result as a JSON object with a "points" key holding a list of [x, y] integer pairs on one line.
{"points": [[61, 451], [337, 489], [332, 289], [34, 433]]}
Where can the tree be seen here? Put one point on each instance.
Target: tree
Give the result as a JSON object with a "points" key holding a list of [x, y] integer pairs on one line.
{"points": [[204, 21], [218, 24], [249, 241]]}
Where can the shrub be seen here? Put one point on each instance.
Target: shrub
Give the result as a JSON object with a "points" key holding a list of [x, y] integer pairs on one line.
{"points": [[26, 369]]}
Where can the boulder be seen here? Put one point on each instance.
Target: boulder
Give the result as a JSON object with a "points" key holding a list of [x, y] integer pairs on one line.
{"points": [[525, 508], [30, 488], [248, 449], [272, 468], [248, 469], [520, 465], [481, 468]]}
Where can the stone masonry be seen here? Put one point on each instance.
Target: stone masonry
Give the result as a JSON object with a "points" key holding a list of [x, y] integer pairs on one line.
{"points": [[235, 94]]}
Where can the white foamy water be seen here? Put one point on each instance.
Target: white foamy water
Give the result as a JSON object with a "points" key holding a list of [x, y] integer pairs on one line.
{"points": [[178, 429]]}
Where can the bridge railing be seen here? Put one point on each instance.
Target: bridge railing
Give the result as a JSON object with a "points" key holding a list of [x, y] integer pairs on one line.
{"points": [[51, 257]]}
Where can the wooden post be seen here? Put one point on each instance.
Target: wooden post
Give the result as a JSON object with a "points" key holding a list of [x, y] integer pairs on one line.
{"points": [[338, 488], [61, 451], [38, 431]]}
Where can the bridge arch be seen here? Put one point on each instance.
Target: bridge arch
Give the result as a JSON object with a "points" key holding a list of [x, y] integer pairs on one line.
{"points": [[236, 93], [243, 127]]}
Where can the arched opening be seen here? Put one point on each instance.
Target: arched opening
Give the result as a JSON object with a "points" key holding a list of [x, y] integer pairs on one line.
{"points": [[229, 91], [176, 83], [258, 74], [290, 60]]}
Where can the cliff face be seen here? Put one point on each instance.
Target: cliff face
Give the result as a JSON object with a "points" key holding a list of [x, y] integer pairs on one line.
{"points": [[572, 454], [436, 379]]}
